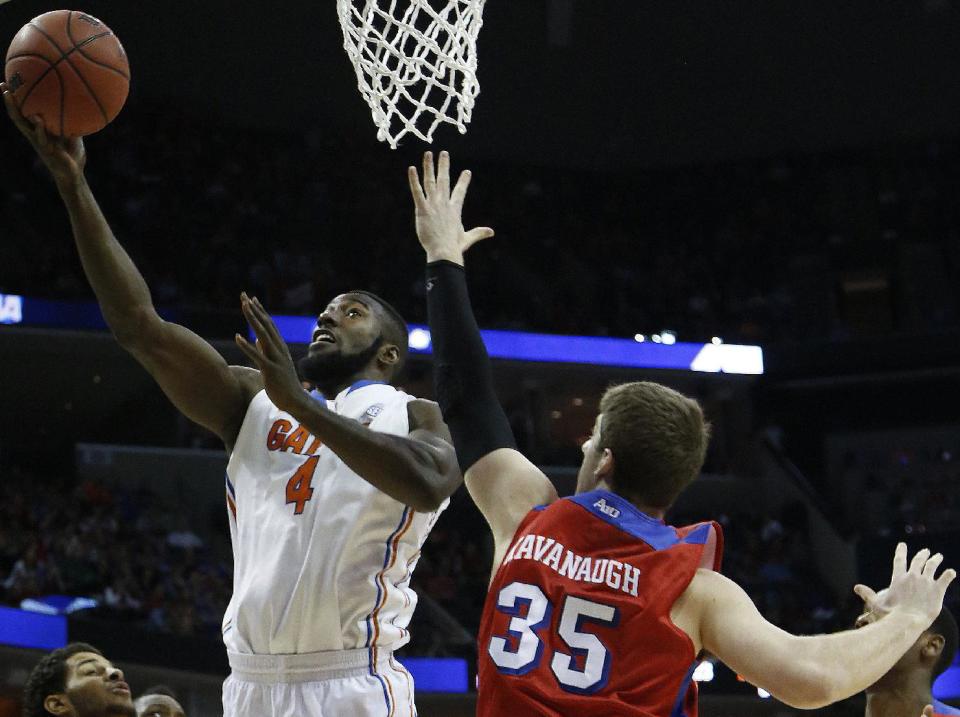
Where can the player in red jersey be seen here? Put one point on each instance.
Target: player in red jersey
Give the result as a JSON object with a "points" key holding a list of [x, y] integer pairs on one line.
{"points": [[596, 607], [908, 686]]}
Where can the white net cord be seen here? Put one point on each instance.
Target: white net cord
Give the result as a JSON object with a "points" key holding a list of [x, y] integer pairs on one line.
{"points": [[416, 62]]}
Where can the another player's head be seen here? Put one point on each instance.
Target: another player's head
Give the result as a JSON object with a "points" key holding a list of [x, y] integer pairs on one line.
{"points": [[158, 701], [925, 661], [77, 681], [648, 444], [358, 335]]}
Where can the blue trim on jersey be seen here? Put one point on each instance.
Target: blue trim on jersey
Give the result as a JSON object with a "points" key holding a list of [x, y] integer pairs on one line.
{"points": [[700, 536], [383, 684], [678, 706], [943, 709], [362, 384], [386, 559], [319, 396], [622, 514], [233, 493]]}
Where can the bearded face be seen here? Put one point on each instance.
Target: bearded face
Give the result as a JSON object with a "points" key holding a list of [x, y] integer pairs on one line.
{"points": [[332, 366]]}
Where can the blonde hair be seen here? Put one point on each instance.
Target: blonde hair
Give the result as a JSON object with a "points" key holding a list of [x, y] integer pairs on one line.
{"points": [[658, 438]]}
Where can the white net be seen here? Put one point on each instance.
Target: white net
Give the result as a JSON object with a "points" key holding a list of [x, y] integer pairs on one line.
{"points": [[416, 62]]}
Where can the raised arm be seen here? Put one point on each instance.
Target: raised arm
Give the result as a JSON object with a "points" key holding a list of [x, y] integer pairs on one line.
{"points": [[191, 373], [419, 469], [813, 671], [501, 481]]}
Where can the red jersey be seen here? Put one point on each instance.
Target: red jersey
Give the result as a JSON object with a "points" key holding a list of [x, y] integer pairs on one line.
{"points": [[577, 620]]}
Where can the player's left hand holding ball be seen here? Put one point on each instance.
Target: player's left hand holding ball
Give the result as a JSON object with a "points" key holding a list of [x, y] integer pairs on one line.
{"points": [[271, 356], [65, 157]]}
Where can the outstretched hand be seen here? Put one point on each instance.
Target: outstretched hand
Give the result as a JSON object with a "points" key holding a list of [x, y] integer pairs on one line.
{"points": [[438, 211], [65, 157], [271, 355], [913, 588]]}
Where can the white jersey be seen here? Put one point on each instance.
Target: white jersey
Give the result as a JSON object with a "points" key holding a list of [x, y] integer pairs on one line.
{"points": [[322, 559]]}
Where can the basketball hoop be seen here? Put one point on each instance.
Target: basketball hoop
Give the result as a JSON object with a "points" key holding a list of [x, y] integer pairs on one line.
{"points": [[416, 62]]}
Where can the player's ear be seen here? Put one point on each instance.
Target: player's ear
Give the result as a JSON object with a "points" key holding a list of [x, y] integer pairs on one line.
{"points": [[57, 704], [389, 354], [605, 465], [933, 646]]}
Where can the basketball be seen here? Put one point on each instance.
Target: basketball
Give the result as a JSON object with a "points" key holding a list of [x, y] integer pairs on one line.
{"points": [[71, 70]]}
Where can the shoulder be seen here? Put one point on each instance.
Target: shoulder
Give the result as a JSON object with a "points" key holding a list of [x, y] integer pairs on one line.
{"points": [[250, 380], [708, 594], [250, 383]]}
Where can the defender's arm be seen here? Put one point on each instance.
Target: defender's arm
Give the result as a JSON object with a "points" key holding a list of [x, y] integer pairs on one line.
{"points": [[813, 671], [503, 484]]}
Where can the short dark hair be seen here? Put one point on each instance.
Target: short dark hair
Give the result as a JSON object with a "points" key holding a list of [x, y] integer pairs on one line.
{"points": [[946, 626], [159, 690], [395, 330], [49, 677], [658, 438]]}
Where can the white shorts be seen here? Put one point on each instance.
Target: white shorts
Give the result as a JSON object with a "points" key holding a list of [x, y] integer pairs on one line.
{"points": [[335, 684]]}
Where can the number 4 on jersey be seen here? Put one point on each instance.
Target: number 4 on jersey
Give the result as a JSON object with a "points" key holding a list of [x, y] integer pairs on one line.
{"points": [[300, 485]]}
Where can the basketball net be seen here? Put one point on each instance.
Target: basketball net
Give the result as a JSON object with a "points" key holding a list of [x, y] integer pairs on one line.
{"points": [[416, 62]]}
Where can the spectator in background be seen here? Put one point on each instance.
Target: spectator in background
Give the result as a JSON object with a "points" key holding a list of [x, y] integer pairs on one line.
{"points": [[159, 701], [77, 681]]}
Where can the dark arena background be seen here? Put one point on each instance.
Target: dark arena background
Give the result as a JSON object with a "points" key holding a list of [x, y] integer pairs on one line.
{"points": [[758, 201]]}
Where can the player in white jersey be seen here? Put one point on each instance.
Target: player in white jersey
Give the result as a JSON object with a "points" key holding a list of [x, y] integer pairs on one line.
{"points": [[330, 494]]}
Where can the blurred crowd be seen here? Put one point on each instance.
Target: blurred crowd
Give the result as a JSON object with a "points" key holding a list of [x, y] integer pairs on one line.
{"points": [[129, 552], [902, 488], [825, 246], [119, 548]]}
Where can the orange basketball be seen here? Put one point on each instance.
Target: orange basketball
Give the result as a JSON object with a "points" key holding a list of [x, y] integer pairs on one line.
{"points": [[71, 70]]}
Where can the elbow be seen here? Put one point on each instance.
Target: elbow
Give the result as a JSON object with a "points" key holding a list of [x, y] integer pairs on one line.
{"points": [[429, 499], [431, 491]]}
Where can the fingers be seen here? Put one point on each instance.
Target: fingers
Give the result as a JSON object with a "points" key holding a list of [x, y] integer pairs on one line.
{"points": [[270, 324], [474, 235], [865, 593], [38, 132], [419, 198], [899, 560], [250, 314], [930, 567], [249, 350], [429, 176], [460, 190], [919, 560], [443, 174], [927, 711], [18, 119], [269, 341], [946, 577]]}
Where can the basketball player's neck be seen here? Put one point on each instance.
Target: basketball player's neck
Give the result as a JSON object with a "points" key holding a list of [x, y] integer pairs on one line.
{"points": [[331, 389], [657, 513], [909, 697]]}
